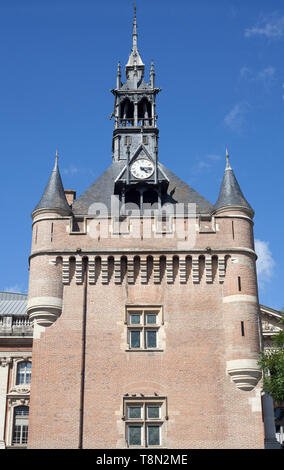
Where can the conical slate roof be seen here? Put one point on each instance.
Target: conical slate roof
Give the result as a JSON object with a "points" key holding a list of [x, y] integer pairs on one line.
{"points": [[230, 191], [53, 196]]}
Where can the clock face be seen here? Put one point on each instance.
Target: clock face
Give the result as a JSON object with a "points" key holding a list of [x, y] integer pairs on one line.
{"points": [[142, 168]]}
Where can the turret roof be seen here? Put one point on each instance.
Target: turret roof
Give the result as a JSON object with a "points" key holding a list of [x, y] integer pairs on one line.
{"points": [[230, 192], [53, 196]]}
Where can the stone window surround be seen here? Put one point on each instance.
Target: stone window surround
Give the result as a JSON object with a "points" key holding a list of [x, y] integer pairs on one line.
{"points": [[145, 401], [16, 362], [17, 395], [144, 309], [12, 404]]}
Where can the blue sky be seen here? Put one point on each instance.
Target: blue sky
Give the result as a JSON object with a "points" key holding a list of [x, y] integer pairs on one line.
{"points": [[220, 66]]}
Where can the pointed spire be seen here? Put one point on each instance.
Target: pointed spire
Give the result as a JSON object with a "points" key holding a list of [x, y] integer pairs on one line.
{"points": [[134, 63], [230, 194], [53, 197], [134, 34]]}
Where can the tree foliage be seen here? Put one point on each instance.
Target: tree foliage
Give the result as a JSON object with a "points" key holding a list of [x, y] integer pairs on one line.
{"points": [[272, 363]]}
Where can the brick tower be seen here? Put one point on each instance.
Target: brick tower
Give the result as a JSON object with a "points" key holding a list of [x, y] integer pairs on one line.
{"points": [[144, 302]]}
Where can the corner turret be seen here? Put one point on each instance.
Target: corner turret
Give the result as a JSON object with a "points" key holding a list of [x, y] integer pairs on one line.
{"points": [[230, 195], [53, 198]]}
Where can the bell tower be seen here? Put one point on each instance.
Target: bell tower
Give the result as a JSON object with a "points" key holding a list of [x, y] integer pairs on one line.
{"points": [[134, 107], [135, 135]]}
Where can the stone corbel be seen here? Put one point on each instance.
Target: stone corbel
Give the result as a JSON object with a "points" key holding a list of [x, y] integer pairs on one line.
{"points": [[44, 311], [5, 361], [245, 373]]}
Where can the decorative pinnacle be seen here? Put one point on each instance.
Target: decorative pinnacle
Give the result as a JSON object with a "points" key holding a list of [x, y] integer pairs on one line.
{"points": [[118, 70], [227, 158]]}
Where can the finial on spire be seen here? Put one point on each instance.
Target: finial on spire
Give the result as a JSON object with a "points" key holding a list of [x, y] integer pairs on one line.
{"points": [[134, 35], [134, 65], [227, 158], [56, 159]]}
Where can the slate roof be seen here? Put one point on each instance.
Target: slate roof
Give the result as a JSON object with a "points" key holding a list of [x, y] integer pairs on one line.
{"points": [[13, 304], [231, 193], [129, 85], [102, 189], [53, 196]]}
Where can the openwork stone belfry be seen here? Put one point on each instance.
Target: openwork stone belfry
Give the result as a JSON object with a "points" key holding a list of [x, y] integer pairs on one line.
{"points": [[144, 302]]}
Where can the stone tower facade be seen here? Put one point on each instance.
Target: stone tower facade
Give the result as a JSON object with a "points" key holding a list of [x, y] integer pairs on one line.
{"points": [[144, 302]]}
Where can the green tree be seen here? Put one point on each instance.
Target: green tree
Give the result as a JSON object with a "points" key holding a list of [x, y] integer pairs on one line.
{"points": [[272, 363]]}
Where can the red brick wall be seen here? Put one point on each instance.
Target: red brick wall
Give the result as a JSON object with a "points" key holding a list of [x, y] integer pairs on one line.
{"points": [[200, 333]]}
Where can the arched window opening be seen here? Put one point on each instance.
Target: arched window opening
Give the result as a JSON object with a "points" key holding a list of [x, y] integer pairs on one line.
{"points": [[20, 425], [144, 113], [126, 113]]}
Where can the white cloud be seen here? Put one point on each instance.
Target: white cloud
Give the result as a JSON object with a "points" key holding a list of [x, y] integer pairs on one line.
{"points": [[265, 76], [271, 26], [246, 73], [71, 170], [207, 163], [265, 263], [16, 288], [235, 119], [214, 157]]}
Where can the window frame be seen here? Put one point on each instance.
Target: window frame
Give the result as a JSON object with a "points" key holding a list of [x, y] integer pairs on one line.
{"points": [[27, 372], [144, 327], [144, 422], [21, 426]]}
